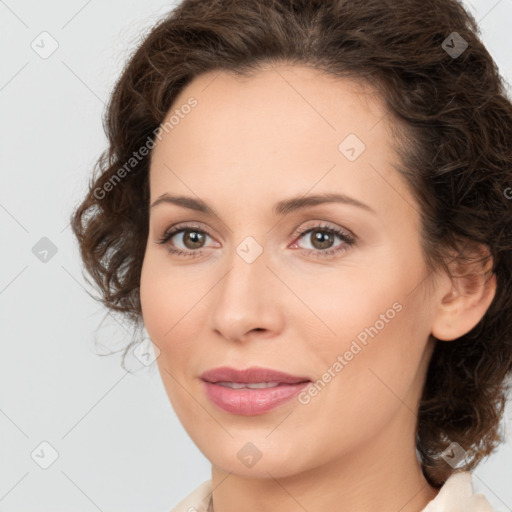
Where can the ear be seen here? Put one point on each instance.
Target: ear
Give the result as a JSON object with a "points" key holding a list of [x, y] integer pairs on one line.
{"points": [[465, 295]]}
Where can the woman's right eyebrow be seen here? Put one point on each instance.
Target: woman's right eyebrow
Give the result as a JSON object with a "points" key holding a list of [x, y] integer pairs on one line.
{"points": [[280, 208], [186, 202]]}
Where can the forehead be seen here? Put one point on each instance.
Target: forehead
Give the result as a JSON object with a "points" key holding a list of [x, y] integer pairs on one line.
{"points": [[280, 127], [296, 98]]}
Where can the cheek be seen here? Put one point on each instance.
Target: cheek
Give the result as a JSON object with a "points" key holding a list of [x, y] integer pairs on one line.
{"points": [[161, 299], [374, 381], [166, 302], [377, 323], [171, 303], [153, 299]]}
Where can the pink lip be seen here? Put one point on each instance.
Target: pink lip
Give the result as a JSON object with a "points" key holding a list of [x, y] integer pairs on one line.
{"points": [[253, 374], [250, 402]]}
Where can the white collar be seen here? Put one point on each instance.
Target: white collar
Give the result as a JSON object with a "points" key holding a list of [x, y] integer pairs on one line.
{"points": [[456, 495]]}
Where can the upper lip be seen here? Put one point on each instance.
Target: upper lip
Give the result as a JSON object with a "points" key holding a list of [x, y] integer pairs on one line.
{"points": [[253, 374]]}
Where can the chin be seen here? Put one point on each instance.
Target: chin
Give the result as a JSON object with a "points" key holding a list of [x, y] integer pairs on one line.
{"points": [[253, 456]]}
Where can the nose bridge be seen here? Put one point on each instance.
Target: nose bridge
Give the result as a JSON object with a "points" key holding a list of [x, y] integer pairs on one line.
{"points": [[246, 296], [248, 273]]}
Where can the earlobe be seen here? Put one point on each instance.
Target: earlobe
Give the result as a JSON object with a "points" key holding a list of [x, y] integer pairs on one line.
{"points": [[465, 303]]}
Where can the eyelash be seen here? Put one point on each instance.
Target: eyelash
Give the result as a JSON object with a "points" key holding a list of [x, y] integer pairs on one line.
{"points": [[346, 238]]}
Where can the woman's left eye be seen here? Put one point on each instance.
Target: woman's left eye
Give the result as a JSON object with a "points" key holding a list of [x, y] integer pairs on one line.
{"points": [[322, 239], [193, 239]]}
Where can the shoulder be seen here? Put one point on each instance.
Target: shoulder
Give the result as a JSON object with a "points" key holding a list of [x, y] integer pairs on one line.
{"points": [[457, 494], [197, 501]]}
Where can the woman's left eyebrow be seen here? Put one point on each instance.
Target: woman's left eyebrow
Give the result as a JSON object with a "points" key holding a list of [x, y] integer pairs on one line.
{"points": [[296, 203], [280, 208]]}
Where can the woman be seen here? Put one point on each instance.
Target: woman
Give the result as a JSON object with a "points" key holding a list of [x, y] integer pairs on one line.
{"points": [[304, 203]]}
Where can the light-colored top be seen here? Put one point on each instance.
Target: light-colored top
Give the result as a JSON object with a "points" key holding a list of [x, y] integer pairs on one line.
{"points": [[456, 495]]}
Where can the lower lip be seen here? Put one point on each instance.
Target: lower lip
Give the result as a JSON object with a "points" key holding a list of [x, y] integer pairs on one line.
{"points": [[250, 402]]}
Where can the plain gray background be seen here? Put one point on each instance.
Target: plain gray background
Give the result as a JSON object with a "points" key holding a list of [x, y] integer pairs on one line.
{"points": [[120, 446]]}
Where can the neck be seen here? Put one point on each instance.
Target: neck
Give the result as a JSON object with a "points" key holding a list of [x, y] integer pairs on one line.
{"points": [[346, 484], [381, 473]]}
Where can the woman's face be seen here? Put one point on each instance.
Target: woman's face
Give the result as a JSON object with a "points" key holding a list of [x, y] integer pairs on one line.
{"points": [[344, 304]]}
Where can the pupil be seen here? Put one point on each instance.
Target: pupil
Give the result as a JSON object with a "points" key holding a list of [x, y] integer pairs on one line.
{"points": [[196, 238], [322, 238]]}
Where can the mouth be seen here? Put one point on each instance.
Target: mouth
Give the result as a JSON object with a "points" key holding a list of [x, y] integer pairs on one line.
{"points": [[250, 391], [249, 385], [253, 375]]}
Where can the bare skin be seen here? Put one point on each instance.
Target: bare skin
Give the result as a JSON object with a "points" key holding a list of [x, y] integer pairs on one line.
{"points": [[248, 144]]}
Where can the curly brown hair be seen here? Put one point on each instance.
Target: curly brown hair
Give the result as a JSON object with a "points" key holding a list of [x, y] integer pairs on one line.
{"points": [[453, 134]]}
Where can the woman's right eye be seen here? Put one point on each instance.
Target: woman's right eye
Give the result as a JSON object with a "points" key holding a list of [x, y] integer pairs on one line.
{"points": [[192, 239]]}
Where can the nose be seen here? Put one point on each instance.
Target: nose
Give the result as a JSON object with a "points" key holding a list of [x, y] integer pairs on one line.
{"points": [[248, 299]]}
